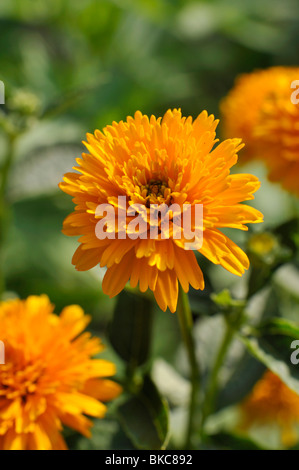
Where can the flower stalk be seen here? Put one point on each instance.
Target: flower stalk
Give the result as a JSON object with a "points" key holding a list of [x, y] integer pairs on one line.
{"points": [[212, 388], [233, 322], [186, 326]]}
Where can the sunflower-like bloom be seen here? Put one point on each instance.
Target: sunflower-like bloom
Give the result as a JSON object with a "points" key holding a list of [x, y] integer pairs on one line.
{"points": [[272, 402], [148, 161], [263, 110], [49, 378]]}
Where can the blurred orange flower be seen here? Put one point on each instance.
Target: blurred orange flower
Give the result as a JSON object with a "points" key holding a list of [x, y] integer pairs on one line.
{"points": [[272, 402], [263, 110], [49, 378], [148, 161]]}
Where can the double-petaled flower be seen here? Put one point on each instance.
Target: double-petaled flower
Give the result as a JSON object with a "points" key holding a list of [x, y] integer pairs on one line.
{"points": [[271, 402], [49, 378], [263, 110], [148, 161]]}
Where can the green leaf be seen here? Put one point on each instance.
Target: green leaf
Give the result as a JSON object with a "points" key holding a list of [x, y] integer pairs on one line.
{"points": [[144, 418], [280, 326], [274, 352], [239, 371], [243, 372], [288, 232], [232, 308], [286, 281], [165, 345], [106, 435], [224, 300], [232, 441], [130, 329]]}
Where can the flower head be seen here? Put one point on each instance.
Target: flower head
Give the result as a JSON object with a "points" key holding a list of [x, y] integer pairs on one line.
{"points": [[169, 161], [272, 402], [260, 110], [49, 378]]}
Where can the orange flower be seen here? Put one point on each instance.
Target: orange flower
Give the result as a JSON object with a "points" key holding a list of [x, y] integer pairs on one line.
{"points": [[259, 110], [49, 378], [166, 160], [272, 402]]}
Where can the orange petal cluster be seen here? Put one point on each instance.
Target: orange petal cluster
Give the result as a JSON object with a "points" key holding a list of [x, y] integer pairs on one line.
{"points": [[272, 402], [170, 160], [263, 110], [49, 378]]}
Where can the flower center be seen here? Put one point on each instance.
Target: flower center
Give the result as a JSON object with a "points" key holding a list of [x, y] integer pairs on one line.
{"points": [[157, 192], [17, 382]]}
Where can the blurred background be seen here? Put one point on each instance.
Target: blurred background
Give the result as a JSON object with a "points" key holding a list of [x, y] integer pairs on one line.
{"points": [[70, 67]]}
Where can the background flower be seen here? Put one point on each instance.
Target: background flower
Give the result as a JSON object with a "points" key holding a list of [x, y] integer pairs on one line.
{"points": [[272, 402], [49, 378], [259, 109]]}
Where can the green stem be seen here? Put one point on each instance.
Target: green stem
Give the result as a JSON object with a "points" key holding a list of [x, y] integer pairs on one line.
{"points": [[5, 171], [186, 326], [212, 388]]}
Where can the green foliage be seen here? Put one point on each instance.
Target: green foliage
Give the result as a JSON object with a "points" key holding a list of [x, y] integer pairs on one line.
{"points": [[230, 441], [130, 328], [274, 352], [144, 418]]}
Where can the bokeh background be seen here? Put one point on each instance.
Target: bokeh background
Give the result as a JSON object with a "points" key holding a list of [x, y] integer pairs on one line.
{"points": [[70, 67]]}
